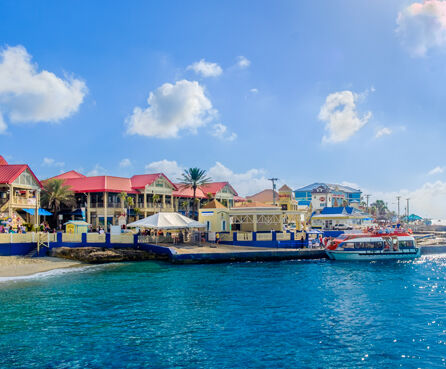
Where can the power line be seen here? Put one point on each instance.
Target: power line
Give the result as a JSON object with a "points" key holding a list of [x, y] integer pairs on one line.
{"points": [[273, 181]]}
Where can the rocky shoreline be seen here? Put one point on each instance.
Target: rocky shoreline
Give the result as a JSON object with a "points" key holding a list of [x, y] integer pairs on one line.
{"points": [[101, 255]]}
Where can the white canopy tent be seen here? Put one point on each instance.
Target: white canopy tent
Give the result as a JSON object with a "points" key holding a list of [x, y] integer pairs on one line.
{"points": [[167, 221]]}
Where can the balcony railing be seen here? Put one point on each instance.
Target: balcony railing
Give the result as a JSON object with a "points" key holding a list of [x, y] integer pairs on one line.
{"points": [[31, 201]]}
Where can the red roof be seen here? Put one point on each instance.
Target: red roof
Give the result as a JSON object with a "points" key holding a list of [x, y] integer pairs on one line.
{"points": [[9, 173], [68, 175], [3, 161], [215, 187]]}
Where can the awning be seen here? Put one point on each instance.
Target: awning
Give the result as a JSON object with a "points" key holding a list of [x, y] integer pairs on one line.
{"points": [[41, 211], [167, 221]]}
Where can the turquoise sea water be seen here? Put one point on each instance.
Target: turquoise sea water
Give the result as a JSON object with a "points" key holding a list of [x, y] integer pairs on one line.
{"points": [[309, 314]]}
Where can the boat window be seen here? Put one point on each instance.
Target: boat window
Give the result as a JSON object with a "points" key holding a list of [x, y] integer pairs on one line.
{"points": [[349, 245]]}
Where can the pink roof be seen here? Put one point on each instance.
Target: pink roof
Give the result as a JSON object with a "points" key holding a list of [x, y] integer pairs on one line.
{"points": [[100, 184], [80, 183], [67, 175], [141, 180], [188, 192], [215, 187], [9, 173]]}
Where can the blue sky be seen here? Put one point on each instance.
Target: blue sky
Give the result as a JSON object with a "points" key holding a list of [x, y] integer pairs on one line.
{"points": [[336, 91]]}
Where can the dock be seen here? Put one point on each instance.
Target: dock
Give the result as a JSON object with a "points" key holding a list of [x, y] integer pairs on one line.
{"points": [[211, 253], [228, 253]]}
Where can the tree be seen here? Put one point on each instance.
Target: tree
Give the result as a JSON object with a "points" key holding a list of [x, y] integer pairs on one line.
{"points": [[194, 178], [55, 194], [381, 207]]}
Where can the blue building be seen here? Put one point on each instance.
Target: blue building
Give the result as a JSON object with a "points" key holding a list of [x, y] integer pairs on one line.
{"points": [[324, 195]]}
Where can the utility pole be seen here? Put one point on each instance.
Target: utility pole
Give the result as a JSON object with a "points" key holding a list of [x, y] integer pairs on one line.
{"points": [[367, 197], [398, 198], [273, 181], [407, 208]]}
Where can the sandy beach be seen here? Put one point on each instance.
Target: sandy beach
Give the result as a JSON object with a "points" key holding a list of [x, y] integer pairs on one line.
{"points": [[15, 266]]}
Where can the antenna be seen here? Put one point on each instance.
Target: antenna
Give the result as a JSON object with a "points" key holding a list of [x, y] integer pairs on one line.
{"points": [[274, 180]]}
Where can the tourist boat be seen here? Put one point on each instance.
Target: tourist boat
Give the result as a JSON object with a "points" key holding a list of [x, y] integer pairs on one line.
{"points": [[372, 246]]}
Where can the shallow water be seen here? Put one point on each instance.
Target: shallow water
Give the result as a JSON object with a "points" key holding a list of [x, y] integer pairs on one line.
{"points": [[290, 314]]}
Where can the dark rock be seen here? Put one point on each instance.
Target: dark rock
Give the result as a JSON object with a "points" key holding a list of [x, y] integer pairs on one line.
{"points": [[100, 255]]}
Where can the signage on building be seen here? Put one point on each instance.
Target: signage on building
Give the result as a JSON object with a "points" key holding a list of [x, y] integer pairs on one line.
{"points": [[207, 213]]}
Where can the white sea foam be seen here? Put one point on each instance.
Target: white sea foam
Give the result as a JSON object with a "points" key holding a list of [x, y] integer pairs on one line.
{"points": [[56, 272]]}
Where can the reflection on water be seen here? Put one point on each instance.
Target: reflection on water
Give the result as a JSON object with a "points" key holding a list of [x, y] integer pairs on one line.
{"points": [[285, 314]]}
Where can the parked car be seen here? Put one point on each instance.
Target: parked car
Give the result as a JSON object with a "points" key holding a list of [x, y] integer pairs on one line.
{"points": [[342, 227]]}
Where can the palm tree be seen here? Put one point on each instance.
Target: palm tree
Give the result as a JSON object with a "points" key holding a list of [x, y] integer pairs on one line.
{"points": [[194, 178], [380, 206], [55, 194]]}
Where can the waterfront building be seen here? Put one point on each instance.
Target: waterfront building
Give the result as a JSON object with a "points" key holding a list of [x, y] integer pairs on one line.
{"points": [[340, 218], [19, 192], [98, 197], [256, 217], [215, 215], [323, 195], [266, 197]]}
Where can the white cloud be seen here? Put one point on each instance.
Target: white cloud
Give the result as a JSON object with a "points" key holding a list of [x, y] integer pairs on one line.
{"points": [[170, 168], [246, 183], [340, 116], [221, 131], [97, 171], [436, 170], [50, 162], [422, 26], [125, 163], [27, 95], [383, 132], [243, 62], [206, 69], [427, 201], [254, 90], [3, 125], [172, 108]]}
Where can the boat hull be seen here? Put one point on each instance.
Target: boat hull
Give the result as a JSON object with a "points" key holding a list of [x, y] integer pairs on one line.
{"points": [[373, 255]]}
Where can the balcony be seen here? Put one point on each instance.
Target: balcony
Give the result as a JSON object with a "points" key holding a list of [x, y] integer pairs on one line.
{"points": [[23, 201]]}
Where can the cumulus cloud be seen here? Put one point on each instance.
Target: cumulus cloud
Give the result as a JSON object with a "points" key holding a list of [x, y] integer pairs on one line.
{"points": [[245, 183], [383, 132], [125, 163], [427, 201], [206, 69], [436, 170], [170, 168], [27, 95], [254, 90], [422, 26], [50, 162], [172, 108], [97, 171], [221, 131], [243, 62], [340, 116]]}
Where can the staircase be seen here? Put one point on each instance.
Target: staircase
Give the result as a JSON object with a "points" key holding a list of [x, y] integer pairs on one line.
{"points": [[4, 206], [32, 252]]}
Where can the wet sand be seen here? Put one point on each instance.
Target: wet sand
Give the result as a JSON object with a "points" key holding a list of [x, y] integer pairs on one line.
{"points": [[16, 266]]}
